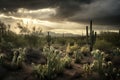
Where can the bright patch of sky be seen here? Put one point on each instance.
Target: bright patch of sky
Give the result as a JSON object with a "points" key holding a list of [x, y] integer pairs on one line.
{"points": [[45, 19]]}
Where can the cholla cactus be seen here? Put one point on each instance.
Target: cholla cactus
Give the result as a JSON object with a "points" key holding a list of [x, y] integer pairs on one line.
{"points": [[41, 71], [67, 61], [110, 66], [54, 62], [116, 52], [87, 69], [85, 50], [74, 47], [68, 50], [99, 63], [14, 59], [78, 56], [18, 57], [105, 69]]}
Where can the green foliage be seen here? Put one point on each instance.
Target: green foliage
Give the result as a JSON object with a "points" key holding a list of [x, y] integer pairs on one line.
{"points": [[87, 69], [66, 61], [85, 50], [106, 69], [78, 56], [116, 52], [111, 37], [48, 37], [55, 63], [103, 45], [5, 45], [40, 71], [70, 49], [99, 60]]}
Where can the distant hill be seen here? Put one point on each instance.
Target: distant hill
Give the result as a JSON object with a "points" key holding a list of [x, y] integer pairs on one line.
{"points": [[60, 35]]}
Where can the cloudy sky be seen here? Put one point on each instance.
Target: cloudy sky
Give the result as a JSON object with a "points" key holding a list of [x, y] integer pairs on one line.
{"points": [[62, 16]]}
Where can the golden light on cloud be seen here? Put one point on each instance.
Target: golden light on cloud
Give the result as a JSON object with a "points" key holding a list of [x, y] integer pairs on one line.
{"points": [[40, 19], [22, 10]]}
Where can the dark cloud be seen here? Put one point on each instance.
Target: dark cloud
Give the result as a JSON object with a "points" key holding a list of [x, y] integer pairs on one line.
{"points": [[101, 11], [36, 4]]}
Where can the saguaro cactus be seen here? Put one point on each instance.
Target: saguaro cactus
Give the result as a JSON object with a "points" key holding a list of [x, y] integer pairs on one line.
{"points": [[48, 39], [87, 34], [119, 31], [92, 36], [2, 30]]}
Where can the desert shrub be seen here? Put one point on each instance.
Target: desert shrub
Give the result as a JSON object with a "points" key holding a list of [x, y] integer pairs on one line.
{"points": [[116, 52], [85, 50], [40, 71], [67, 61], [106, 70], [87, 69], [103, 45], [4, 46], [18, 57], [99, 59], [74, 47], [78, 56], [55, 64], [70, 49]]}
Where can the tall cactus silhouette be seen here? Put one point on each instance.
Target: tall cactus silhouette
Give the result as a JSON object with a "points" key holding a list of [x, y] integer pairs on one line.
{"points": [[87, 34], [48, 39], [2, 30], [92, 36], [119, 31]]}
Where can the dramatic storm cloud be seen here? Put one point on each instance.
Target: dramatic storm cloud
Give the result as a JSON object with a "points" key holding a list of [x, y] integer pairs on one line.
{"points": [[101, 11], [62, 15]]}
